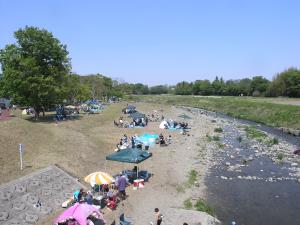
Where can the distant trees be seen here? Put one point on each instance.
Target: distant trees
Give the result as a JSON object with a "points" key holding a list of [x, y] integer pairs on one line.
{"points": [[35, 68], [286, 83], [36, 72]]}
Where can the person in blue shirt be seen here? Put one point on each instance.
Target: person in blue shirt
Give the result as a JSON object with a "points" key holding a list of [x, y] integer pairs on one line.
{"points": [[78, 195]]}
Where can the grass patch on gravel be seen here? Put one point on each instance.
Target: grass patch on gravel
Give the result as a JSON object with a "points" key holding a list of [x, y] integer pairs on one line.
{"points": [[218, 130], [202, 206], [254, 133], [188, 204], [212, 138]]}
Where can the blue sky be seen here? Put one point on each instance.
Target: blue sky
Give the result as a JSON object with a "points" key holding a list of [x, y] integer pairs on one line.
{"points": [[164, 42]]}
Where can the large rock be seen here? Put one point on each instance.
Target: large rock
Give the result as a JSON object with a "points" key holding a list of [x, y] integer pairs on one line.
{"points": [[191, 217]]}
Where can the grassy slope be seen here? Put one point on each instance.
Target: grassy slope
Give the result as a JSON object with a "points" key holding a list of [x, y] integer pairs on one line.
{"points": [[272, 114], [79, 146]]}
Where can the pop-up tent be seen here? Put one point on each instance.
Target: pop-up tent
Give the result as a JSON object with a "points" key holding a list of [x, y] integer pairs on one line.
{"points": [[184, 116], [130, 155], [137, 115], [79, 212]]}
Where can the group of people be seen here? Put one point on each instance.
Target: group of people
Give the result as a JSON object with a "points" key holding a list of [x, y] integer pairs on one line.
{"points": [[177, 125], [124, 143], [164, 142], [140, 122]]}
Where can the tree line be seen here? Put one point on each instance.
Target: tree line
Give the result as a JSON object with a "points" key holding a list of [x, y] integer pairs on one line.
{"points": [[36, 71]]}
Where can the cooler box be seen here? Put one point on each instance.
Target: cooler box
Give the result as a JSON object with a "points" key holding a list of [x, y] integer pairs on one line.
{"points": [[138, 184]]}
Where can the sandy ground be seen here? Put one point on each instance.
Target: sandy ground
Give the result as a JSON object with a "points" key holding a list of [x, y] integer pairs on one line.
{"points": [[80, 146], [170, 166]]}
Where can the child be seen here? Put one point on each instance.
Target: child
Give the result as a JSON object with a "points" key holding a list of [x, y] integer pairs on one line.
{"points": [[158, 216]]}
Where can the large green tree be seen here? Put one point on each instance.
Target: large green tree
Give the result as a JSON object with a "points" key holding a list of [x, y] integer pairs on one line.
{"points": [[35, 68]]}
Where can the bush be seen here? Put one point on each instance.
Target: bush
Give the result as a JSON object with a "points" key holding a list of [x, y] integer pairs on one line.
{"points": [[218, 130]]}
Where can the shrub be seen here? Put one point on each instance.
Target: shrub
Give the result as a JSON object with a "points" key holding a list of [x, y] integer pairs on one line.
{"points": [[218, 130]]}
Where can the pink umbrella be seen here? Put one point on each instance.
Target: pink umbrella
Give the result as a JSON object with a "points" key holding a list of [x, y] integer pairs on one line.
{"points": [[79, 212]]}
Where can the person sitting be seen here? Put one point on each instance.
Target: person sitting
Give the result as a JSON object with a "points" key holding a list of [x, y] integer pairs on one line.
{"points": [[124, 139], [116, 123], [88, 198], [111, 202], [95, 220], [139, 145], [162, 141], [169, 139], [121, 121], [78, 195]]}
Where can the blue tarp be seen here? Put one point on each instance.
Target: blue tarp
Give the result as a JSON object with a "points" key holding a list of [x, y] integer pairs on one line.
{"points": [[147, 138]]}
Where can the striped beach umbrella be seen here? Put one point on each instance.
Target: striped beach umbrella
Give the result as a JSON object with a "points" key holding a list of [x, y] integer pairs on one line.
{"points": [[99, 178]]}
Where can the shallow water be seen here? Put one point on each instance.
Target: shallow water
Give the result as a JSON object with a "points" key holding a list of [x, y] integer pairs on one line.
{"points": [[266, 200]]}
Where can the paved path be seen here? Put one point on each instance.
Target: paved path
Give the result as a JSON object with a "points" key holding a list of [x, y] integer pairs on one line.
{"points": [[51, 186]]}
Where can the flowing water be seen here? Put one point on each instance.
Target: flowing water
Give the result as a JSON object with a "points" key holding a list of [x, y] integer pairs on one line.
{"points": [[259, 192]]}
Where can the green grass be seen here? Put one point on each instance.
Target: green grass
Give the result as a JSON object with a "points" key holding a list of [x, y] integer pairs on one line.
{"points": [[192, 177], [180, 188], [212, 138], [218, 130], [254, 133], [188, 204], [220, 145], [202, 206], [280, 156], [254, 109]]}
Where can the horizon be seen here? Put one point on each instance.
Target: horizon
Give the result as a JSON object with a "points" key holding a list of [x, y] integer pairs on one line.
{"points": [[163, 43]]}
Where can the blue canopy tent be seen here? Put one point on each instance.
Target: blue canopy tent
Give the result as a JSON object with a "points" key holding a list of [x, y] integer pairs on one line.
{"points": [[129, 155]]}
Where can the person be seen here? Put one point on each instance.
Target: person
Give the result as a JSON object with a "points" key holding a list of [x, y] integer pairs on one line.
{"points": [[121, 122], [121, 183], [132, 142], [78, 195], [95, 220], [162, 141], [147, 145], [158, 216], [124, 139], [169, 139], [88, 198], [184, 224]]}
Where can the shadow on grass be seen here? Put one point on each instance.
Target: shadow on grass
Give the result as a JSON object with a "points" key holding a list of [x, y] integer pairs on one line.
{"points": [[50, 118]]}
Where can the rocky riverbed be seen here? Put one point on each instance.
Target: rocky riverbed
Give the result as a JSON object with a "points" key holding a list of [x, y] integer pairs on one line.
{"points": [[254, 176]]}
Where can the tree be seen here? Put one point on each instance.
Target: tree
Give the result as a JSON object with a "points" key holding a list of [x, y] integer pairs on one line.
{"points": [[202, 87], [35, 69], [159, 89], [184, 88], [75, 90], [259, 85]]}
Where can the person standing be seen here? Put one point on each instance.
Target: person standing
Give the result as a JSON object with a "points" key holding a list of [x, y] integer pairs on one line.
{"points": [[132, 142], [121, 183], [158, 216]]}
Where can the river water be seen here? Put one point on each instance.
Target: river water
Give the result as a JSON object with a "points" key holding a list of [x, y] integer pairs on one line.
{"points": [[260, 192]]}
